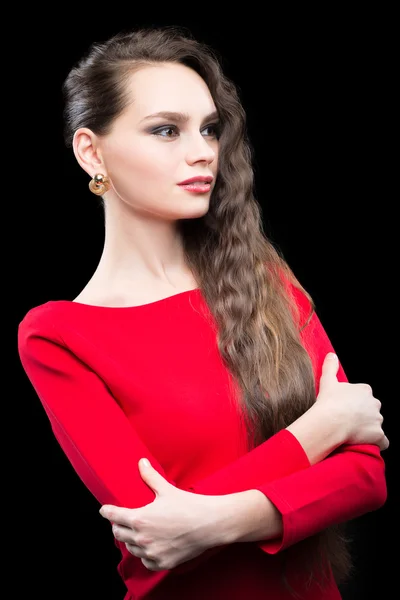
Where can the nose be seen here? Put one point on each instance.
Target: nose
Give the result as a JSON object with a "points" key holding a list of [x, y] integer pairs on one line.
{"points": [[199, 149]]}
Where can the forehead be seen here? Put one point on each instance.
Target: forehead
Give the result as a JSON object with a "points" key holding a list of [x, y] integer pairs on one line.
{"points": [[169, 87]]}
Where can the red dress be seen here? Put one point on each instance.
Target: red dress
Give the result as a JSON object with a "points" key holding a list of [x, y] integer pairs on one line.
{"points": [[119, 384]]}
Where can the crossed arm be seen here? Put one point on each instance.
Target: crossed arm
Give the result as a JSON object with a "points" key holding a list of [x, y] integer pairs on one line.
{"points": [[308, 497]]}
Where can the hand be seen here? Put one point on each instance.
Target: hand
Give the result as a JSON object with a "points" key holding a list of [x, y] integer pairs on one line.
{"points": [[352, 406], [176, 527]]}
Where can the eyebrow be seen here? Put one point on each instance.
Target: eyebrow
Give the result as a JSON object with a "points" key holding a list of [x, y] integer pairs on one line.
{"points": [[178, 117]]}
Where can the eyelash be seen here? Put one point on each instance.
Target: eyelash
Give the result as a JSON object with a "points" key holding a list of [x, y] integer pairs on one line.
{"points": [[158, 131]]}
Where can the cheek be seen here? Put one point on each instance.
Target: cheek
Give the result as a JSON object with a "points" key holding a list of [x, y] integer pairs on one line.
{"points": [[144, 163]]}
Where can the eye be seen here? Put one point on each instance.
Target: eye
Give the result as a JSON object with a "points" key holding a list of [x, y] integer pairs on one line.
{"points": [[168, 131], [213, 130]]}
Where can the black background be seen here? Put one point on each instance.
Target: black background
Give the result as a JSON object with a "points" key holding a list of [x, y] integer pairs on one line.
{"points": [[318, 89]]}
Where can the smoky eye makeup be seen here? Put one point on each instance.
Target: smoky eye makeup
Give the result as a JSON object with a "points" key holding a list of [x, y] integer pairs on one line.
{"points": [[163, 128], [174, 129], [216, 127]]}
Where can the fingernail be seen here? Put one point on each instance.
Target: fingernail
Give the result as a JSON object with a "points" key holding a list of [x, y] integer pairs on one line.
{"points": [[332, 355], [145, 462]]}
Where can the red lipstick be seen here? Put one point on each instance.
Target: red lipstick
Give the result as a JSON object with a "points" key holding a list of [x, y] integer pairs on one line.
{"points": [[199, 184]]}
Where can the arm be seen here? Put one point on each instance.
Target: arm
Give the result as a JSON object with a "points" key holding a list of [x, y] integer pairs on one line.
{"points": [[284, 512], [293, 508], [92, 430]]}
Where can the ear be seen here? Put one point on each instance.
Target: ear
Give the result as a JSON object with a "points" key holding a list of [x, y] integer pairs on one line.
{"points": [[87, 151]]}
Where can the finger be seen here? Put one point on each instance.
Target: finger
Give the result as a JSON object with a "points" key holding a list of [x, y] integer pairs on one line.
{"points": [[136, 550], [150, 565], [118, 514], [123, 534], [384, 445], [330, 368], [157, 482]]}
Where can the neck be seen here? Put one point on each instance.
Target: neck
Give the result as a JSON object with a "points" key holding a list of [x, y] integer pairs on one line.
{"points": [[140, 247]]}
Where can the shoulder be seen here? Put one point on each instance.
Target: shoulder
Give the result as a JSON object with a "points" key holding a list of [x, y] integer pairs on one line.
{"points": [[42, 313], [41, 320]]}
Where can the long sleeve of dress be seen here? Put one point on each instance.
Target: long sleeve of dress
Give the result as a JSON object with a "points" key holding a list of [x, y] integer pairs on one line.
{"points": [[91, 428]]}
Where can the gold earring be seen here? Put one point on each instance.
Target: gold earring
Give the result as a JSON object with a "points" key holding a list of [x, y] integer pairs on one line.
{"points": [[99, 184]]}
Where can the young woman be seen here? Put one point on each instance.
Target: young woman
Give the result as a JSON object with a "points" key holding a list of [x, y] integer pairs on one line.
{"points": [[195, 346]]}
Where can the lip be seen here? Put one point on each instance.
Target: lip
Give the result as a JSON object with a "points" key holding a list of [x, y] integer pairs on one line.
{"points": [[202, 178]]}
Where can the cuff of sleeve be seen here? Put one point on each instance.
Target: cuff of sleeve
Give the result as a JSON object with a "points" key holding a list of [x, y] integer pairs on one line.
{"points": [[278, 457], [335, 490], [288, 536]]}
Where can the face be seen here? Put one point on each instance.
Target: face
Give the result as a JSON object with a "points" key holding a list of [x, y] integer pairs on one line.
{"points": [[166, 136]]}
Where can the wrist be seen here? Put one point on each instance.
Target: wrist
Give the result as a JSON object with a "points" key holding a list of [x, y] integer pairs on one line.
{"points": [[319, 431], [215, 520], [247, 516], [332, 424]]}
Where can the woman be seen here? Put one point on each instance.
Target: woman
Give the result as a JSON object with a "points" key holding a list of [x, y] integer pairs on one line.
{"points": [[193, 345]]}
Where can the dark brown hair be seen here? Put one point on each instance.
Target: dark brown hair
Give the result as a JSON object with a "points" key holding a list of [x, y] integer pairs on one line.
{"points": [[243, 276]]}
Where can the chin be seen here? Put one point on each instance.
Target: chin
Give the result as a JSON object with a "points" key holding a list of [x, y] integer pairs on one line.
{"points": [[194, 214], [199, 211], [196, 205]]}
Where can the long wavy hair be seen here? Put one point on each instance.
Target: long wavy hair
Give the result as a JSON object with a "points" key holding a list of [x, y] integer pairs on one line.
{"points": [[242, 274]]}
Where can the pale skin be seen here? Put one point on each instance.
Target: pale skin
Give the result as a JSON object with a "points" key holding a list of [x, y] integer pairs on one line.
{"points": [[146, 157]]}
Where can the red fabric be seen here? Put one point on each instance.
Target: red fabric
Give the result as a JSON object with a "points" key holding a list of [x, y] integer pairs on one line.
{"points": [[119, 384]]}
